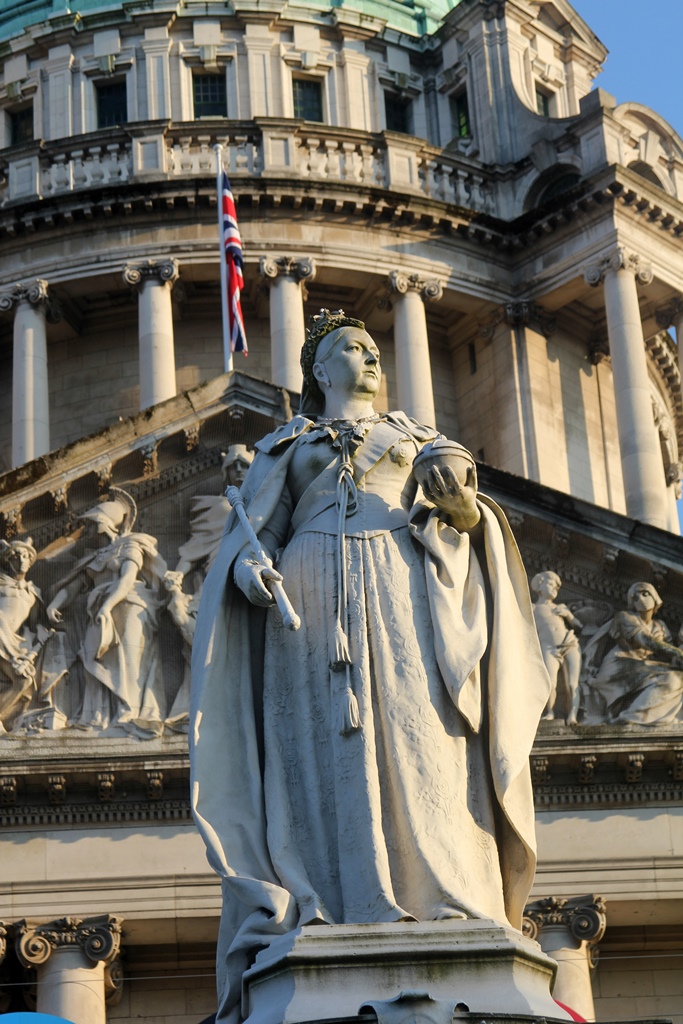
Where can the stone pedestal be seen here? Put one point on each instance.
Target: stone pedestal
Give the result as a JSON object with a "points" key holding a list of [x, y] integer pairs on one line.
{"points": [[324, 972], [287, 278], [154, 282], [411, 344]]}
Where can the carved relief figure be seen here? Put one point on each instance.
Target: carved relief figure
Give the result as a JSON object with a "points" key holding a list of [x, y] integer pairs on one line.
{"points": [[120, 577], [18, 598], [210, 511], [183, 610], [560, 646], [393, 728], [634, 672]]}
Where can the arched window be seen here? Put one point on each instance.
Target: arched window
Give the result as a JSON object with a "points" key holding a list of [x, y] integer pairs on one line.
{"points": [[645, 171]]}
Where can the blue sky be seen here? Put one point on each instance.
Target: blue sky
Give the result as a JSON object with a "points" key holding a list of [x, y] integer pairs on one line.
{"points": [[644, 62]]}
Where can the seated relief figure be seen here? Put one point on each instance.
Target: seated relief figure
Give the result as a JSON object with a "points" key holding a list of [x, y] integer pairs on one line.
{"points": [[120, 577], [372, 765], [634, 674], [209, 513], [559, 643]]}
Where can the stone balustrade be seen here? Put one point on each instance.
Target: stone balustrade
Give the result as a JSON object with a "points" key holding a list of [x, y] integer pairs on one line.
{"points": [[257, 149]]}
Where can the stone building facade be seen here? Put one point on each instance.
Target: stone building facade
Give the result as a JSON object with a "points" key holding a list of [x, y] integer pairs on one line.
{"points": [[512, 239]]}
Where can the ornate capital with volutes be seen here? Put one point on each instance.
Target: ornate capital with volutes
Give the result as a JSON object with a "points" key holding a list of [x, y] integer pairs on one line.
{"points": [[618, 259], [35, 293], [166, 271], [429, 289], [522, 313], [99, 938], [671, 314], [301, 268], [584, 916]]}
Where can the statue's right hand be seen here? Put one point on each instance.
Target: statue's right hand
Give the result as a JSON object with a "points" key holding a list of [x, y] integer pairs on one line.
{"points": [[54, 614], [251, 577]]}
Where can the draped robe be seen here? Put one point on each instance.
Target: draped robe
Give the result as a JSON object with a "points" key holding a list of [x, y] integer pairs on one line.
{"points": [[425, 810]]}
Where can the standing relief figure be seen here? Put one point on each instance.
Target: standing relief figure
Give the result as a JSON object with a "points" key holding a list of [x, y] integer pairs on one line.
{"points": [[32, 658], [120, 577], [560, 646], [634, 674], [209, 515], [373, 764]]}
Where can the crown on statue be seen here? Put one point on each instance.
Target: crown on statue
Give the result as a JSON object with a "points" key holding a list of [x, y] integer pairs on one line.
{"points": [[321, 324]]}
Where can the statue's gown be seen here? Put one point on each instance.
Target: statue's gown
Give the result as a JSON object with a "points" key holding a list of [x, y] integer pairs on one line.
{"points": [[424, 811]]}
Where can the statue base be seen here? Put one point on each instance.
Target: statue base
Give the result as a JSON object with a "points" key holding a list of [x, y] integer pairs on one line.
{"points": [[401, 972]]}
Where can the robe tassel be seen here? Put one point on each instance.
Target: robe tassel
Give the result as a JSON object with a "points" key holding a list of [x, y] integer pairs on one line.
{"points": [[348, 712]]}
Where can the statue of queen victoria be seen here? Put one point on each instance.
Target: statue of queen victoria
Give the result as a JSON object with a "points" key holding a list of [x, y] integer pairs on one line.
{"points": [[371, 766]]}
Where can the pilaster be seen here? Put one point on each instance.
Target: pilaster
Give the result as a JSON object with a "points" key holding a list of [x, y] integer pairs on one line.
{"points": [[76, 963], [33, 307], [569, 931], [154, 281], [641, 458], [287, 277], [411, 343]]}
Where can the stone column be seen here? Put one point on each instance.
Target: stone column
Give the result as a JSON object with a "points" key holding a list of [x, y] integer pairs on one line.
{"points": [[76, 964], [154, 281], [287, 278], [411, 344], [641, 458], [30, 395], [672, 316], [569, 931]]}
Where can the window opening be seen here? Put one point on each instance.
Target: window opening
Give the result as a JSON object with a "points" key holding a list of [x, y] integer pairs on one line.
{"points": [[21, 125], [209, 94], [542, 103], [399, 113], [112, 104], [308, 99], [460, 116]]}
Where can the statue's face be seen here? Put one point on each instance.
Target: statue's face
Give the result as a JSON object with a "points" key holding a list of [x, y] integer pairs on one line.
{"points": [[20, 561], [353, 364], [642, 600], [547, 586]]}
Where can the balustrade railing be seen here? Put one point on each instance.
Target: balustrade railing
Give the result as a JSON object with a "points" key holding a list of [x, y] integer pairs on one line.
{"points": [[256, 149]]}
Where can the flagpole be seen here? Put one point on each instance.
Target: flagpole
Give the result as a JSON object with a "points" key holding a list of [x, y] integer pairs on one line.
{"points": [[227, 352]]}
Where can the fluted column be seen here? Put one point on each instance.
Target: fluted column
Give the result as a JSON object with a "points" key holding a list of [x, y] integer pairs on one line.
{"points": [[641, 458], [287, 278], [569, 931], [33, 307], [75, 959], [154, 281], [411, 343]]}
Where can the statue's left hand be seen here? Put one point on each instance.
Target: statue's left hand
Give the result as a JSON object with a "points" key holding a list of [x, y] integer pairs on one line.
{"points": [[458, 500]]}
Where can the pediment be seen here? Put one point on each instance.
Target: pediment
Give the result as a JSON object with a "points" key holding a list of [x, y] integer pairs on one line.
{"points": [[560, 17]]}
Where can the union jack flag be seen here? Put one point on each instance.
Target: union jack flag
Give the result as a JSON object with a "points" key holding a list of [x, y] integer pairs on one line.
{"points": [[234, 259]]}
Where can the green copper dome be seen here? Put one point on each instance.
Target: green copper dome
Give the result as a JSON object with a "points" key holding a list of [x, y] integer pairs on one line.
{"points": [[414, 17]]}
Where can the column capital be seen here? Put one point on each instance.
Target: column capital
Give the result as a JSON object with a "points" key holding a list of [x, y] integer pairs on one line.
{"points": [[669, 315], [300, 268], [165, 270], [34, 293], [618, 259], [520, 314], [99, 938], [584, 916], [429, 289]]}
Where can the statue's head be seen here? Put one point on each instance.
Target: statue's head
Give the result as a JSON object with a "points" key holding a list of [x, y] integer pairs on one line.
{"points": [[642, 597], [545, 584], [112, 518], [338, 351], [17, 556], [236, 462]]}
